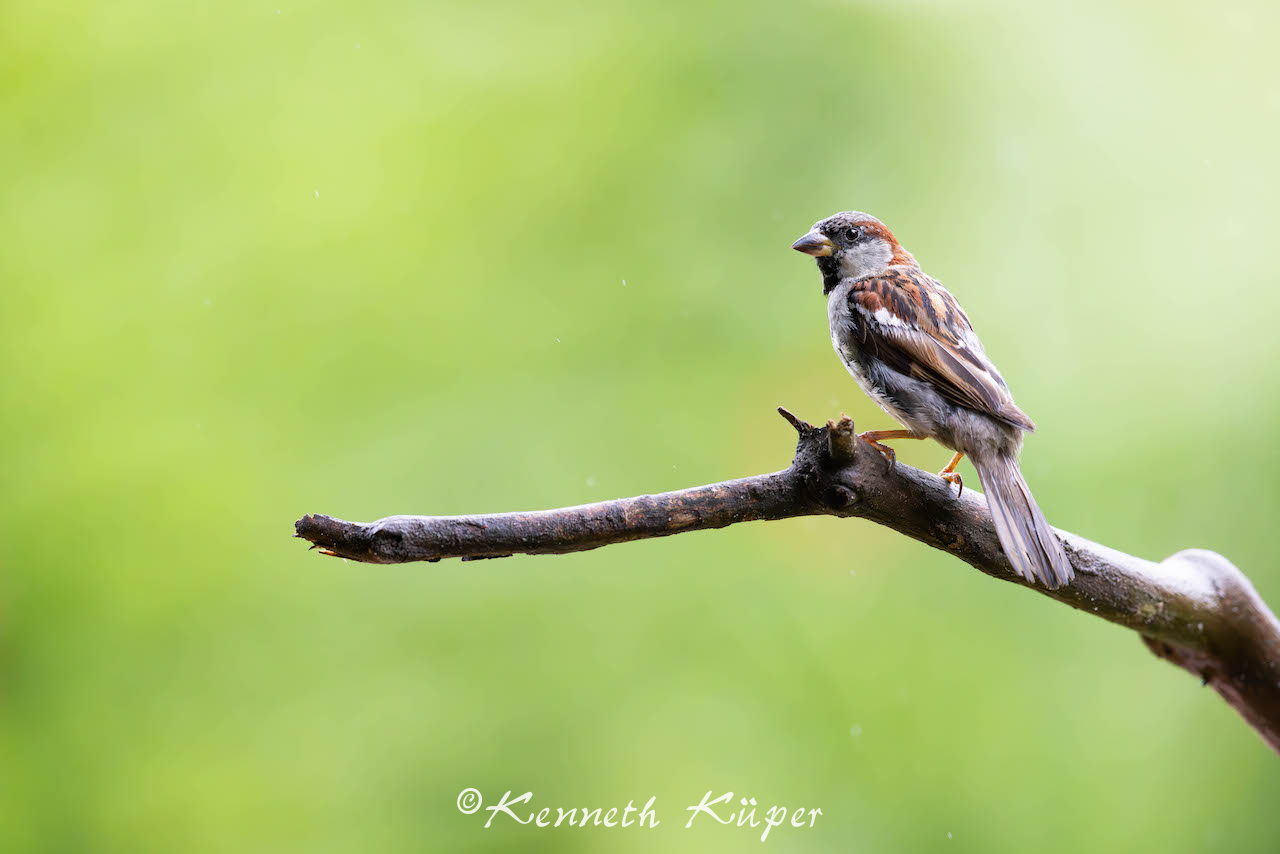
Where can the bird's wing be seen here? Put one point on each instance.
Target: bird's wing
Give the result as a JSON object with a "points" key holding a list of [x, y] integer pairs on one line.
{"points": [[916, 327]]}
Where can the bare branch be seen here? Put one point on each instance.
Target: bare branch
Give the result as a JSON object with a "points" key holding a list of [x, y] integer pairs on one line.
{"points": [[398, 539], [1194, 609]]}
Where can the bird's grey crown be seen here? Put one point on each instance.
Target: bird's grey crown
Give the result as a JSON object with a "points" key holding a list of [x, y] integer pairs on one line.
{"points": [[844, 219]]}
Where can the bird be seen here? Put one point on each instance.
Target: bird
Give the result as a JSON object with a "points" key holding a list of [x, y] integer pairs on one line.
{"points": [[911, 348]]}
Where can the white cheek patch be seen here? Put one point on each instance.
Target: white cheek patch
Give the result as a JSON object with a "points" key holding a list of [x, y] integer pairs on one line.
{"points": [[866, 259]]}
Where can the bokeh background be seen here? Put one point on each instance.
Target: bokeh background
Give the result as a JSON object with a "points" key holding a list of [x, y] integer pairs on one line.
{"points": [[265, 259]]}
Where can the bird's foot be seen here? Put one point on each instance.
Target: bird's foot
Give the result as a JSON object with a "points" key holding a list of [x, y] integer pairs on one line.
{"points": [[953, 477], [950, 475], [890, 456]]}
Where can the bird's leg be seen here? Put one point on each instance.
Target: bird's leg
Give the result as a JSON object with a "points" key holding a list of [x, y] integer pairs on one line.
{"points": [[950, 475], [873, 437]]}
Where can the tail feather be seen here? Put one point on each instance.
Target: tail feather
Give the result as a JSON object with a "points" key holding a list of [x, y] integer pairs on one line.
{"points": [[1025, 535]]}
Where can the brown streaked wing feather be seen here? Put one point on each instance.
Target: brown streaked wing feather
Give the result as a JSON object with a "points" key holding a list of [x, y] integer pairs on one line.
{"points": [[929, 345]]}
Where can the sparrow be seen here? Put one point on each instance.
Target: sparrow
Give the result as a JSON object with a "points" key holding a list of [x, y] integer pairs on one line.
{"points": [[911, 348]]}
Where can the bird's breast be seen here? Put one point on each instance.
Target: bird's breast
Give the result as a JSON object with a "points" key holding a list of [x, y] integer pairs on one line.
{"points": [[860, 363]]}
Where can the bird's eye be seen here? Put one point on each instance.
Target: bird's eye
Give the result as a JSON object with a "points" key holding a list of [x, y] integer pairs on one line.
{"points": [[853, 234]]}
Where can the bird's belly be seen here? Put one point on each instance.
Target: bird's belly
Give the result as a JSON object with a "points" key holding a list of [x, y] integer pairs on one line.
{"points": [[871, 380]]}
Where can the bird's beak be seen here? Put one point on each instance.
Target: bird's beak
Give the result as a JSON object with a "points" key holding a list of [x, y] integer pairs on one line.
{"points": [[814, 243]]}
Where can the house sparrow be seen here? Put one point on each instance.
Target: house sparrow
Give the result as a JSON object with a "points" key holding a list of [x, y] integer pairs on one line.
{"points": [[909, 345]]}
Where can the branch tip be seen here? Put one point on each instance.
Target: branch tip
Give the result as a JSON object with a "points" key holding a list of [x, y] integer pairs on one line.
{"points": [[801, 426]]}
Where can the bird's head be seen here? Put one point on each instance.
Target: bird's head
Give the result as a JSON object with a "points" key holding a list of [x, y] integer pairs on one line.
{"points": [[852, 245]]}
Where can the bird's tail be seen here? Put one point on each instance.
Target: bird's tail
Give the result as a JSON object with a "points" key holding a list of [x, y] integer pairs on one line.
{"points": [[1028, 541]]}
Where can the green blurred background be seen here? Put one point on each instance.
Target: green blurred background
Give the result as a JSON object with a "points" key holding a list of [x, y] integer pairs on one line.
{"points": [[264, 259]]}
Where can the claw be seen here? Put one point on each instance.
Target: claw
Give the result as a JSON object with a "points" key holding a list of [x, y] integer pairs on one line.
{"points": [[890, 456]]}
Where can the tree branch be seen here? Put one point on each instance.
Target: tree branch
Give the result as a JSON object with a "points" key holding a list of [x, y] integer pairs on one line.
{"points": [[1194, 609]]}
